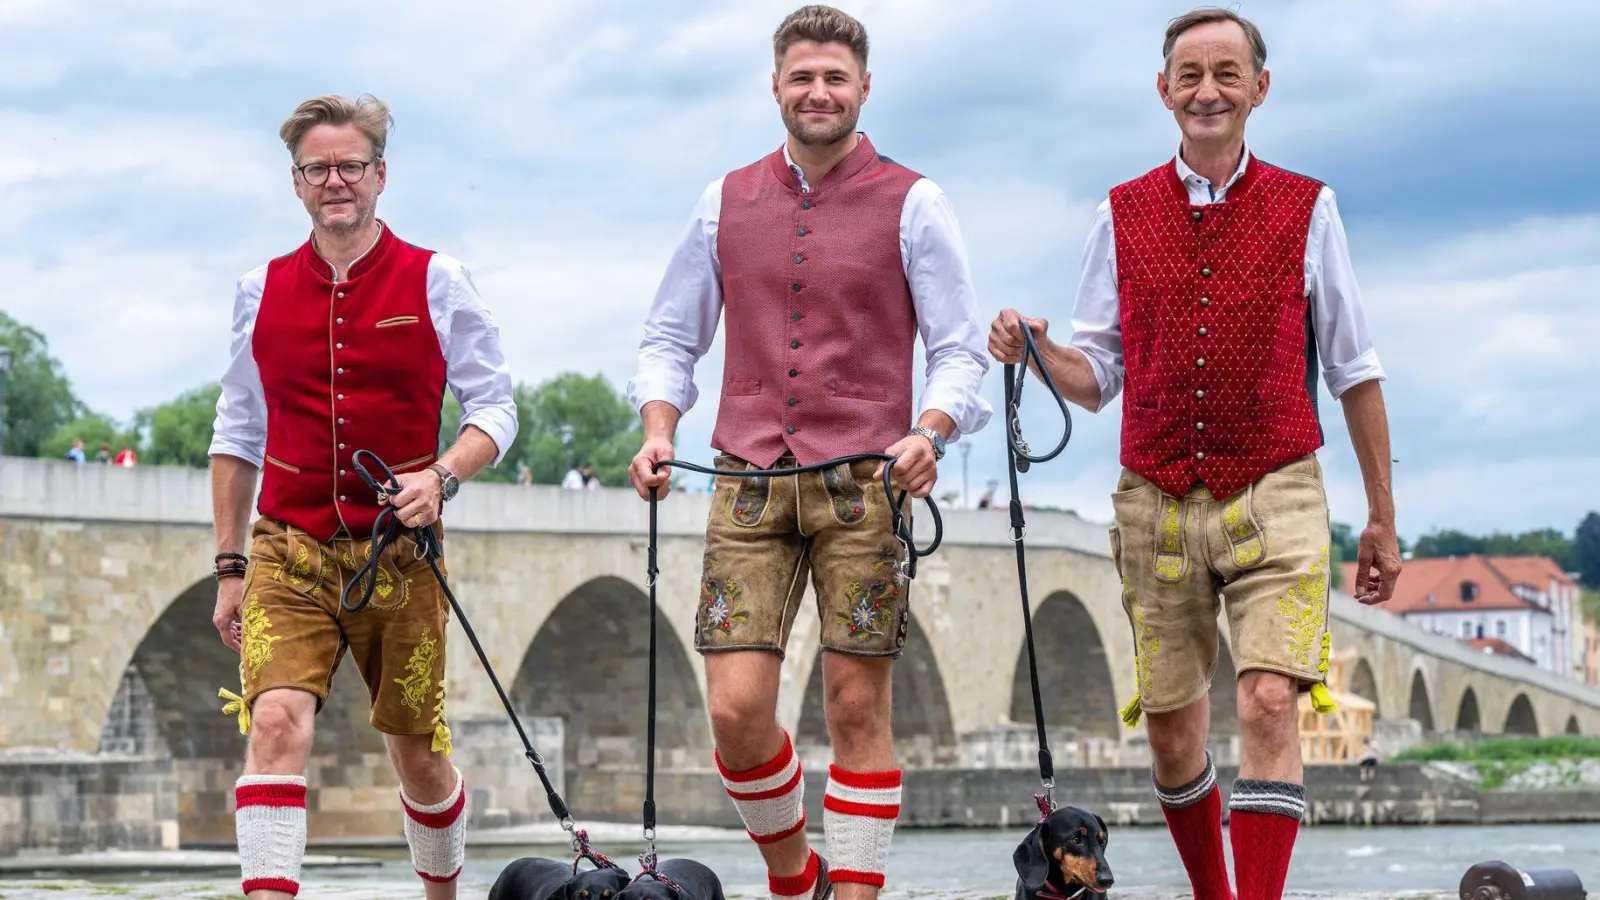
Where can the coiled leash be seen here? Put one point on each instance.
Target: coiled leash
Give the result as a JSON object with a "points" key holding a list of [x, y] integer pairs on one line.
{"points": [[385, 530], [901, 527], [1019, 457]]}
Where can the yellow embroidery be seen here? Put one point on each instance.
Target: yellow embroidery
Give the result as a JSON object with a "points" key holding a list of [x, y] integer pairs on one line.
{"points": [[1233, 516], [1143, 659], [1169, 552], [1169, 527], [236, 705], [299, 570], [1247, 545], [257, 643], [1306, 609], [414, 687], [441, 730]]}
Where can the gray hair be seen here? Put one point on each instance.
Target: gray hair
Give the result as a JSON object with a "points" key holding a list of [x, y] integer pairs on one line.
{"points": [[1206, 15], [367, 112]]}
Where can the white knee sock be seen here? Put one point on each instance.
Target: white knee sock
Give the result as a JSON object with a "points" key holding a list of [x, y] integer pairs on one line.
{"points": [[770, 797], [858, 816], [437, 833], [270, 827]]}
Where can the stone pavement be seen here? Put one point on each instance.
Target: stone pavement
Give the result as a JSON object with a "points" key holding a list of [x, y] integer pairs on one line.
{"points": [[225, 889]]}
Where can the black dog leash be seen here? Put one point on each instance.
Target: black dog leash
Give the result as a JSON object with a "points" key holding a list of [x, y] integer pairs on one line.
{"points": [[908, 569], [385, 530], [1020, 457]]}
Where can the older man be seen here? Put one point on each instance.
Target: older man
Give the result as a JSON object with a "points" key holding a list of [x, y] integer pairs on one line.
{"points": [[1212, 284], [345, 344], [830, 260]]}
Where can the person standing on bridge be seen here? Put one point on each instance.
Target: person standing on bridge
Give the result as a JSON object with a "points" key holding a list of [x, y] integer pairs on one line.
{"points": [[1211, 284], [345, 344], [830, 259]]}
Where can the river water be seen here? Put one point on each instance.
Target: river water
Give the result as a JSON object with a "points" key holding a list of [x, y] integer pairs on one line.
{"points": [[1384, 858]]}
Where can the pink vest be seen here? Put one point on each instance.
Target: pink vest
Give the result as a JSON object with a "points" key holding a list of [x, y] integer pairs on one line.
{"points": [[1220, 369], [344, 367], [819, 321]]}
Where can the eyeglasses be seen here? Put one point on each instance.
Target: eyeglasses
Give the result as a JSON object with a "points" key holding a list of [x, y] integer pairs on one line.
{"points": [[350, 171]]}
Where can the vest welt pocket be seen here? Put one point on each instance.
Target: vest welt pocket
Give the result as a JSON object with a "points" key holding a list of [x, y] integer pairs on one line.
{"points": [[736, 388], [397, 320], [854, 391], [283, 465]]}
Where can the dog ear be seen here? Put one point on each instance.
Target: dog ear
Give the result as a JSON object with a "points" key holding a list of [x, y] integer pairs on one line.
{"points": [[1103, 829], [1032, 866]]}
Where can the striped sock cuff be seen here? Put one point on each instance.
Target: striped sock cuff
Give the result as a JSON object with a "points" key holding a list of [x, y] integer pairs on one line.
{"points": [[270, 828], [437, 833], [1282, 798], [858, 817], [795, 887], [1189, 794], [770, 798]]}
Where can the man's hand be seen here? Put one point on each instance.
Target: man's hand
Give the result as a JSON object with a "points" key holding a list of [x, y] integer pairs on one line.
{"points": [[915, 469], [230, 593], [654, 450], [1005, 335], [1377, 564], [420, 499]]}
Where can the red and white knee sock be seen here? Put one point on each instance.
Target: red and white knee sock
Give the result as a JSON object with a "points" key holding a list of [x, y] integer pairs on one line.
{"points": [[270, 826], [858, 816], [437, 833], [770, 798], [1194, 816], [1263, 822]]}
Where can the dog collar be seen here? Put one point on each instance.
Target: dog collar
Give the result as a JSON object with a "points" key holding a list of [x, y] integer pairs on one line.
{"points": [[1047, 892]]}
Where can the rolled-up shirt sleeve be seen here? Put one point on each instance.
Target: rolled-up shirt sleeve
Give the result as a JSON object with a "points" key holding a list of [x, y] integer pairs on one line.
{"points": [[682, 322], [1096, 312], [935, 259], [240, 426], [1343, 339], [475, 365]]}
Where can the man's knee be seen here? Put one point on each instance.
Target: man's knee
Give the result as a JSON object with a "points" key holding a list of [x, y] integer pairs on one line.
{"points": [[856, 697], [425, 773], [282, 723], [1266, 700], [1178, 736]]}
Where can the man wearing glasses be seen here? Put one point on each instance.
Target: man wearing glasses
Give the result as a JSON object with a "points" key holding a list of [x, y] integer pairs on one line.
{"points": [[349, 342]]}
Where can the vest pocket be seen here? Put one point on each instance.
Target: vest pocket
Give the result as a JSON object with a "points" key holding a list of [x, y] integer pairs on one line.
{"points": [[397, 320], [854, 391], [736, 388], [283, 465]]}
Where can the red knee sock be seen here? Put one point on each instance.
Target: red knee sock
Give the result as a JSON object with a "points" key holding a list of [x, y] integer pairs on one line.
{"points": [[1194, 816], [1263, 822]]}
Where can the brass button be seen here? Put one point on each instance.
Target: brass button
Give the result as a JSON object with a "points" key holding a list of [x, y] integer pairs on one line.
{"points": [[793, 372], [1205, 272], [1201, 362], [802, 231], [1202, 331], [1205, 301]]}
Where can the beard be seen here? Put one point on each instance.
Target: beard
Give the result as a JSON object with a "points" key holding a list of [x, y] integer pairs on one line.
{"points": [[350, 224], [821, 135]]}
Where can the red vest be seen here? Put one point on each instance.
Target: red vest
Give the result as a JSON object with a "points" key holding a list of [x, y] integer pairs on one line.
{"points": [[820, 324], [1220, 371], [347, 366]]}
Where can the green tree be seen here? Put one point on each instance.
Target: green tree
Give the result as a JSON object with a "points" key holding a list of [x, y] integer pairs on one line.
{"points": [[1586, 551], [565, 421], [93, 429], [1345, 549], [39, 399], [1449, 542], [178, 432]]}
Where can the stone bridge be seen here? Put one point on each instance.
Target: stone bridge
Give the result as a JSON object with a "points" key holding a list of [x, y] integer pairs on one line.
{"points": [[106, 646]]}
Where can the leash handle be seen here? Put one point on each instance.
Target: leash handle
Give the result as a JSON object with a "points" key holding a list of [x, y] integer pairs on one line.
{"points": [[1015, 377]]}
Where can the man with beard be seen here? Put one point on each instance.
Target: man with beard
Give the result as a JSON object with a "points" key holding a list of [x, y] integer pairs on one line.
{"points": [[1212, 284], [830, 259], [345, 344]]}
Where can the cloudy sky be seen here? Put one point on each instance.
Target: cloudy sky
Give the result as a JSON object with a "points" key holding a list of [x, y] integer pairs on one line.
{"points": [[558, 146]]}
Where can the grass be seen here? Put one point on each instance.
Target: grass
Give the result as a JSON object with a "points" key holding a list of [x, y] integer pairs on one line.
{"points": [[1500, 759]]}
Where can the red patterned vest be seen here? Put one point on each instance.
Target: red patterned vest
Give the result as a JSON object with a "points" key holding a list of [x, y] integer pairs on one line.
{"points": [[1220, 366], [820, 324], [347, 366]]}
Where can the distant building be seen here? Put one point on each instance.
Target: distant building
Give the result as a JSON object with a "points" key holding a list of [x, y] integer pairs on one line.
{"points": [[1591, 653], [1514, 606]]}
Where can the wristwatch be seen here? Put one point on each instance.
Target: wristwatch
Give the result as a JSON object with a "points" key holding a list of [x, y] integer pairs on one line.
{"points": [[933, 436], [448, 484]]}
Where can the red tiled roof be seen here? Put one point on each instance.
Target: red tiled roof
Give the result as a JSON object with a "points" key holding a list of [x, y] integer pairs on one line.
{"points": [[1498, 647], [1441, 578], [1535, 571]]}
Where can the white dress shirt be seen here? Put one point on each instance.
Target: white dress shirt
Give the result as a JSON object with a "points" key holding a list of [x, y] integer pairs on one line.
{"points": [[1343, 342], [683, 318], [475, 369]]}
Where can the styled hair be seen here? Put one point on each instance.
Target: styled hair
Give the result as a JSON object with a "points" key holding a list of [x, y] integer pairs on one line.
{"points": [[367, 112], [1206, 15], [822, 24]]}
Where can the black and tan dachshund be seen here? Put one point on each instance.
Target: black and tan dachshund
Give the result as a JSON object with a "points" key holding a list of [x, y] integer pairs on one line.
{"points": [[535, 878], [1063, 857], [695, 881]]}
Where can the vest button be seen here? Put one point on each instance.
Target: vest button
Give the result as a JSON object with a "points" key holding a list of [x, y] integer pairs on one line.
{"points": [[797, 258], [793, 401], [805, 204], [340, 371], [1205, 273], [341, 295], [341, 396], [794, 286], [341, 421], [1202, 331], [339, 321], [1199, 426], [341, 446], [795, 316], [802, 231], [1201, 362], [1196, 215], [1205, 301], [1199, 454], [341, 471], [794, 345], [343, 498], [1199, 394], [790, 429], [338, 346], [793, 372]]}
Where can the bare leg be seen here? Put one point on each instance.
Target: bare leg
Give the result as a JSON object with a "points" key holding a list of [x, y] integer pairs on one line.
{"points": [[1178, 742], [1269, 721], [857, 703], [282, 724], [1191, 802], [428, 779], [742, 692]]}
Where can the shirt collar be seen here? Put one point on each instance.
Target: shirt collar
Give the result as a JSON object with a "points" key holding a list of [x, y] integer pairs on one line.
{"points": [[1190, 177], [799, 174]]}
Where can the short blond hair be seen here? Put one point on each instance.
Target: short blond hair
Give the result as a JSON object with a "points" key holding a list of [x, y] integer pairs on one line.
{"points": [[366, 112], [822, 24]]}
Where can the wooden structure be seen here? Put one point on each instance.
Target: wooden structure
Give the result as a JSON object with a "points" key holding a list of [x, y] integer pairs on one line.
{"points": [[1334, 738]]}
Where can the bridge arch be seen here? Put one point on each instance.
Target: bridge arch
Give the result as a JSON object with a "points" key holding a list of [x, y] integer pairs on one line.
{"points": [[1365, 685], [1520, 718], [1420, 706], [1075, 680], [924, 733], [588, 665], [1572, 725], [1467, 716]]}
